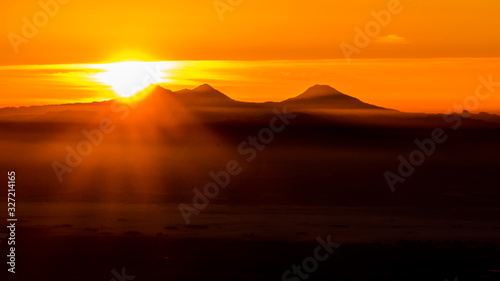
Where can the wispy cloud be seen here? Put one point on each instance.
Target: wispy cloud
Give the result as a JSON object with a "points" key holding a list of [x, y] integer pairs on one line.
{"points": [[391, 39]]}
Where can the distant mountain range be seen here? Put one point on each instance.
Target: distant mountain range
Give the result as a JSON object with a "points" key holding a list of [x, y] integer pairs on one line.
{"points": [[318, 96], [319, 100], [203, 95]]}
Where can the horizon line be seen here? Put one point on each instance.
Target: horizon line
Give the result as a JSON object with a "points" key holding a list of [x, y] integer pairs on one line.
{"points": [[159, 85]]}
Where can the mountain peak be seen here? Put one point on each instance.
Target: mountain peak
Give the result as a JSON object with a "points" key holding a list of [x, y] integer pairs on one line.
{"points": [[203, 91], [204, 88], [317, 91], [324, 96], [203, 95]]}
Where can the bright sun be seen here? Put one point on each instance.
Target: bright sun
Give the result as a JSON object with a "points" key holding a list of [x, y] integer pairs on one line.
{"points": [[129, 78]]}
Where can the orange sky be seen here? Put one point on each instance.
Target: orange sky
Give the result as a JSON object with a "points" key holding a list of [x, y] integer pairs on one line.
{"points": [[94, 31]]}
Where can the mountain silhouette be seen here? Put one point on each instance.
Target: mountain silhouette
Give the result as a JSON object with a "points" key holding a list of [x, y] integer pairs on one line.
{"points": [[318, 91], [324, 96], [204, 95], [318, 96], [206, 104]]}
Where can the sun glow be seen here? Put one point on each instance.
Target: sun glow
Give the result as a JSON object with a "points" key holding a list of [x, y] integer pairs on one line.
{"points": [[128, 78]]}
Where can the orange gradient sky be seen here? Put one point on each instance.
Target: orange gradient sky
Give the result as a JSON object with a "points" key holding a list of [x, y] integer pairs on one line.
{"points": [[427, 57]]}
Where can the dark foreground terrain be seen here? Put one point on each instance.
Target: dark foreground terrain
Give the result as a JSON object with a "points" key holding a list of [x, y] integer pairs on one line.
{"points": [[323, 175], [163, 258]]}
